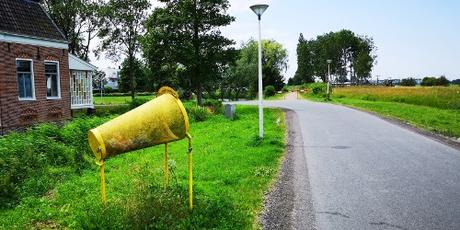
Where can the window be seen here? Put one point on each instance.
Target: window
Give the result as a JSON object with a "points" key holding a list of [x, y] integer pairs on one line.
{"points": [[52, 80], [24, 71]]}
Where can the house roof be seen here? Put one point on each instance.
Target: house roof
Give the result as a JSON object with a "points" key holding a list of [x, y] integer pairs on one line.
{"points": [[28, 18], [76, 63]]}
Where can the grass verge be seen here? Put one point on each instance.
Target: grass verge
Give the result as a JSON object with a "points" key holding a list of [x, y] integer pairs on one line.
{"points": [[116, 100], [443, 121], [232, 170]]}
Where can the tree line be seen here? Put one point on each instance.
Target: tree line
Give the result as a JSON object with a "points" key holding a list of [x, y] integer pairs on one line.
{"points": [[352, 58], [177, 44]]}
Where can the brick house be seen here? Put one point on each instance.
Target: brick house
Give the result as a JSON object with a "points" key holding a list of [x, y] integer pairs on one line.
{"points": [[35, 82]]}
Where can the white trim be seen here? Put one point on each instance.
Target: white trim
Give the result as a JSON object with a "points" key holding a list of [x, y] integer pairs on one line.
{"points": [[76, 63], [32, 75], [87, 106], [32, 41], [58, 80]]}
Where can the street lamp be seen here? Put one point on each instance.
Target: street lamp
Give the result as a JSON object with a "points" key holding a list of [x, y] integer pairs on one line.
{"points": [[329, 61], [259, 9]]}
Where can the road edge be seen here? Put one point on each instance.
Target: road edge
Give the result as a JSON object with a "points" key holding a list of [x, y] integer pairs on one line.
{"points": [[432, 135], [284, 208]]}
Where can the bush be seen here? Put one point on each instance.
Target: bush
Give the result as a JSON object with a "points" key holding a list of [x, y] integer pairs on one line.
{"points": [[408, 82], [27, 159], [136, 102], [285, 88], [108, 89], [318, 88], [432, 81], [214, 105], [269, 91], [197, 113]]}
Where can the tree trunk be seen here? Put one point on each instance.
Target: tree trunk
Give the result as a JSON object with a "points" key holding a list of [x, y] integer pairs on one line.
{"points": [[199, 94], [196, 67], [131, 76]]}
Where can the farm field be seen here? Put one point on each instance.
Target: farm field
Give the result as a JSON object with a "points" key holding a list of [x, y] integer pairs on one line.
{"points": [[435, 109], [229, 160], [437, 97]]}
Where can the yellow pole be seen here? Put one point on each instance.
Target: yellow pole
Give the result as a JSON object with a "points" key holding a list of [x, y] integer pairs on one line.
{"points": [[190, 172], [166, 168], [101, 168]]}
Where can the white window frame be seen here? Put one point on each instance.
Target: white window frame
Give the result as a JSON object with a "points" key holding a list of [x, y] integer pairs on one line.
{"points": [[32, 75], [58, 80]]}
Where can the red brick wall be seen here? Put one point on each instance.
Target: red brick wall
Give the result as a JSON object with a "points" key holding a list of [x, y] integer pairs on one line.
{"points": [[16, 114]]}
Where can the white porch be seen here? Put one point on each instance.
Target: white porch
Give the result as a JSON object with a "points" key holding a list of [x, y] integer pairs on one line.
{"points": [[81, 83]]}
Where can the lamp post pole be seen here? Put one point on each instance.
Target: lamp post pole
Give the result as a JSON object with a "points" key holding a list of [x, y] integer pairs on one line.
{"points": [[259, 10], [328, 78]]}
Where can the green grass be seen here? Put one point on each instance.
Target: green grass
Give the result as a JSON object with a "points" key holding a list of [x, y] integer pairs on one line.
{"points": [[115, 100], [444, 121], [232, 170], [434, 119]]}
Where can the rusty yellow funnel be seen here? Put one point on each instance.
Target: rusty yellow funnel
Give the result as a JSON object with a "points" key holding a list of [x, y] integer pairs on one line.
{"points": [[159, 121]]}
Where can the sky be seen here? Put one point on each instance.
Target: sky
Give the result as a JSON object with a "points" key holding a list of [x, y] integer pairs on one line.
{"points": [[414, 38]]}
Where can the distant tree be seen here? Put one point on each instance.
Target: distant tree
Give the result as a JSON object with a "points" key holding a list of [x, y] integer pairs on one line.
{"points": [[456, 82], [408, 82], [187, 35], [123, 27], [79, 21], [429, 81], [305, 68], [138, 70], [99, 76], [274, 64], [351, 55], [442, 81]]}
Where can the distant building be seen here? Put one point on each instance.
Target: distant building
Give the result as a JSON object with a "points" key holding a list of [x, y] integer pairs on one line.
{"points": [[112, 76]]}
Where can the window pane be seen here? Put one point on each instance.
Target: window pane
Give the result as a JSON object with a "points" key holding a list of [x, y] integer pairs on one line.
{"points": [[28, 85], [52, 85], [23, 66], [50, 67], [24, 74], [52, 80], [22, 92]]}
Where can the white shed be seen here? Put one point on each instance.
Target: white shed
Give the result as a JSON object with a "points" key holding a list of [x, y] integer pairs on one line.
{"points": [[81, 83]]}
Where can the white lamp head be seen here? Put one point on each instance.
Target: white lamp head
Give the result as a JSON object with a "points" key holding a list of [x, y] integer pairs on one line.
{"points": [[259, 9], [329, 61]]}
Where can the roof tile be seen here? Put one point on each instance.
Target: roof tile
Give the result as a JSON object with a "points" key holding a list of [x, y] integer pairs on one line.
{"points": [[27, 18]]}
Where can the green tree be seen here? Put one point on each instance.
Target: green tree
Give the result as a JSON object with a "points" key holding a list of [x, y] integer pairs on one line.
{"points": [[138, 70], [274, 64], [78, 20], [122, 30], [408, 82], [351, 56], [428, 81], [305, 70], [442, 81], [186, 35]]}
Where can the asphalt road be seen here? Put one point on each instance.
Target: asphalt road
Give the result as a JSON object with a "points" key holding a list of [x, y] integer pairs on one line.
{"points": [[367, 173]]}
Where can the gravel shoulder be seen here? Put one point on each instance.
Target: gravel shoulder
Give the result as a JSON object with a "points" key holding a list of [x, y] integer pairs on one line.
{"points": [[289, 204]]}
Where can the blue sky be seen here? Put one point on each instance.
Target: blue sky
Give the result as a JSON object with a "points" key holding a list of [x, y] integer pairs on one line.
{"points": [[415, 38]]}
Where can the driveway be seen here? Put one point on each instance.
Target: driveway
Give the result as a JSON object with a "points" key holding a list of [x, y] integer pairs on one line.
{"points": [[368, 173]]}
